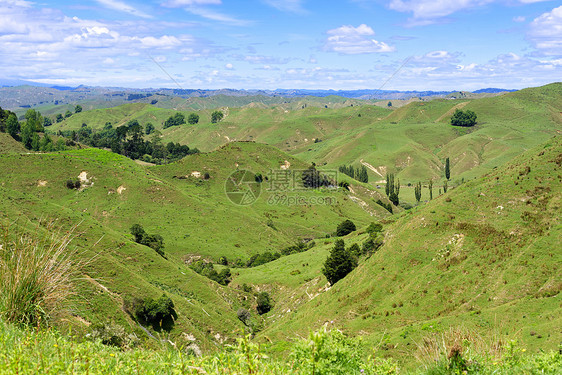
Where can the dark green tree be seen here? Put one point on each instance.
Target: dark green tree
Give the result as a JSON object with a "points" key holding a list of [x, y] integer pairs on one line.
{"points": [[445, 187], [193, 118], [345, 227], [394, 198], [216, 116], [138, 232], [338, 264], [13, 126], [447, 169], [47, 122], [463, 118], [149, 128], [389, 104], [78, 108], [417, 191], [35, 142], [361, 174], [264, 303], [35, 120], [389, 188], [67, 114], [59, 117], [27, 131], [430, 186]]}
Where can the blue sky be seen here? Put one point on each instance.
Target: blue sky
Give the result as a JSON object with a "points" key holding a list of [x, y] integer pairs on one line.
{"points": [[270, 44]]}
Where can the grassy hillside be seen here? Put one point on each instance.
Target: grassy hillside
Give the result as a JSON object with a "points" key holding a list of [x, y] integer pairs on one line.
{"points": [[412, 141], [484, 256], [9, 144], [192, 214]]}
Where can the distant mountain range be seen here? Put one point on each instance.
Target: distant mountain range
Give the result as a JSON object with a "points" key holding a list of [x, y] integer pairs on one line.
{"points": [[16, 94]]}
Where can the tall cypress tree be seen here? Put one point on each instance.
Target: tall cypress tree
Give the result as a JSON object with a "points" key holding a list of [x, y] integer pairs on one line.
{"points": [[417, 191], [447, 169], [430, 189]]}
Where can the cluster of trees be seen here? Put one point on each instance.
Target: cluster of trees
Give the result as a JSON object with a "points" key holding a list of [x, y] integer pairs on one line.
{"points": [[463, 118], [313, 179], [175, 120], [160, 313], [387, 206], [342, 261], [154, 241], [60, 117], [266, 257], [208, 270], [31, 132], [360, 174], [391, 189], [4, 115], [192, 119], [129, 140]]}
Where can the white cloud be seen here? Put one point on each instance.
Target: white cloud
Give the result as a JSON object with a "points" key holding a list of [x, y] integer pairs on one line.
{"points": [[351, 40], [123, 7], [165, 41], [546, 32], [429, 9], [184, 3], [519, 19], [229, 66], [216, 16], [293, 6]]}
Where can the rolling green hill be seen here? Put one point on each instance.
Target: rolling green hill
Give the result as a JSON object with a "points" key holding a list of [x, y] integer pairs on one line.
{"points": [[485, 256], [192, 214], [411, 141]]}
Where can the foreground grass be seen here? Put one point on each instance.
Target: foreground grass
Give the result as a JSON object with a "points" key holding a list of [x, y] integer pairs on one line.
{"points": [[28, 351]]}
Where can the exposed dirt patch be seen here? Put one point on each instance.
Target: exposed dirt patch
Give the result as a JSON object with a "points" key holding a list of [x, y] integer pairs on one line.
{"points": [[285, 165], [41, 183], [121, 189]]}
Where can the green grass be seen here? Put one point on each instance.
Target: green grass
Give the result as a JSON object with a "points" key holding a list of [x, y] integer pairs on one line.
{"points": [[47, 352], [483, 256], [412, 141]]}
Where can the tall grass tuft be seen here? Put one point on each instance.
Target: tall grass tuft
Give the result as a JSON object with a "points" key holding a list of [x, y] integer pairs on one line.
{"points": [[36, 273]]}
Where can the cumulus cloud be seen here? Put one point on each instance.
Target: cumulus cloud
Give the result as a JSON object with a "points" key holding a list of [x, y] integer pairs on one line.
{"points": [[351, 40], [545, 32]]}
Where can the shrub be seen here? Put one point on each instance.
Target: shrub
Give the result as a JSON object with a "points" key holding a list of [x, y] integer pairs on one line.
{"points": [[36, 274], [264, 303], [159, 313], [345, 227], [71, 184], [374, 228], [243, 315], [193, 118], [112, 334], [154, 241]]}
